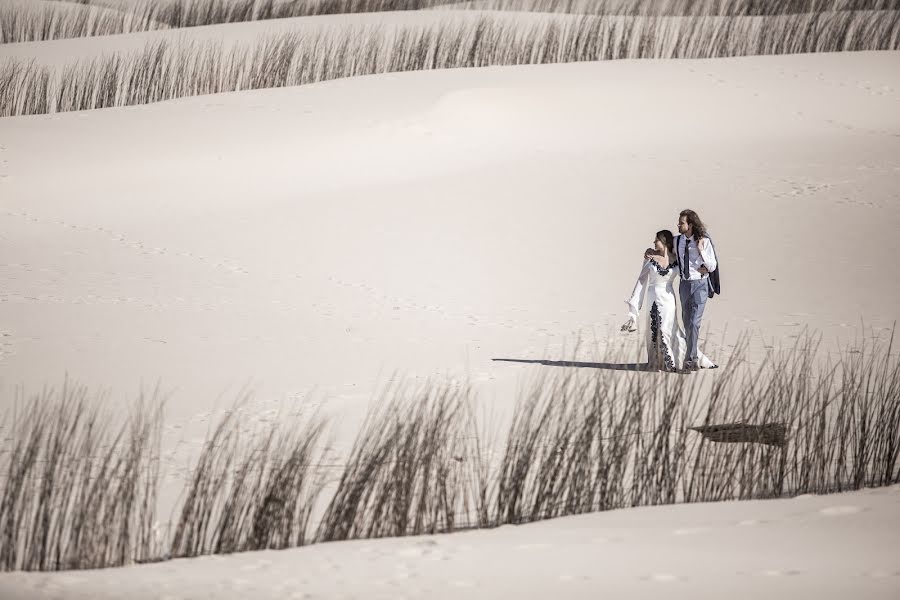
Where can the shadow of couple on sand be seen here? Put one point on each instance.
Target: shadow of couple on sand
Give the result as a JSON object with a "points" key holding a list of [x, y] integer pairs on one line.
{"points": [[582, 365]]}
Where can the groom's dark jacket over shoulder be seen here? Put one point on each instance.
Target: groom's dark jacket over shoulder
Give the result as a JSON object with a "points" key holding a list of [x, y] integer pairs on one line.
{"points": [[713, 279]]}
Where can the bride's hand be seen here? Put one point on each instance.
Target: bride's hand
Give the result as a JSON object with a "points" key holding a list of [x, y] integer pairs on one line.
{"points": [[628, 326]]}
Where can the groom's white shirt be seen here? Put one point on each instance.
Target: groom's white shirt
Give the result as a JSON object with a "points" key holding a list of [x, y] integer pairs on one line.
{"points": [[705, 256]]}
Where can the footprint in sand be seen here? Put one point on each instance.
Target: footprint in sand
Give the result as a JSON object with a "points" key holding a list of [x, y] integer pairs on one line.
{"points": [[805, 496], [779, 573], [839, 511], [662, 578], [258, 565], [532, 546], [418, 549], [568, 577], [606, 540], [880, 574], [690, 530], [750, 522]]}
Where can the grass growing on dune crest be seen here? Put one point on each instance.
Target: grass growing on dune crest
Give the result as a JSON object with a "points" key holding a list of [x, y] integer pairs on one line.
{"points": [[191, 13], [581, 443], [162, 71], [78, 493], [580, 440], [685, 8], [253, 495], [408, 471], [20, 23]]}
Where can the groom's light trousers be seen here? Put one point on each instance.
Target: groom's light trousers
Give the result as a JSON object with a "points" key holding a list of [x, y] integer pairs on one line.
{"points": [[694, 293]]}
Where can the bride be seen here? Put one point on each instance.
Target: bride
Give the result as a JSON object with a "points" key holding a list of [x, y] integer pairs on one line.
{"points": [[666, 346]]}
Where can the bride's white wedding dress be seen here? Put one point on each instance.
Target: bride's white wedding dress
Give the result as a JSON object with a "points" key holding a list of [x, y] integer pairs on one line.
{"points": [[666, 346]]}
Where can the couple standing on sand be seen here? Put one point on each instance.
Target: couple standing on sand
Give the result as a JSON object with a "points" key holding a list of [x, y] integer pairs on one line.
{"points": [[691, 256]]}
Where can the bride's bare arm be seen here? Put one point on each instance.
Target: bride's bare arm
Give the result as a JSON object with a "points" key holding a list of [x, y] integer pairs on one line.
{"points": [[660, 259]]}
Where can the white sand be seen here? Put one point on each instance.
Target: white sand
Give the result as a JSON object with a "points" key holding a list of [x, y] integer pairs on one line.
{"points": [[812, 547], [427, 222]]}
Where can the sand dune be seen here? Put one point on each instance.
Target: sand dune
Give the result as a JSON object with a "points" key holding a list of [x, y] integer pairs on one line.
{"points": [[796, 548], [309, 244], [427, 222]]}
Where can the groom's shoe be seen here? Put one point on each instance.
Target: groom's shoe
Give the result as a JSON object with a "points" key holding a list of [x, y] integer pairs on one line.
{"points": [[690, 365]]}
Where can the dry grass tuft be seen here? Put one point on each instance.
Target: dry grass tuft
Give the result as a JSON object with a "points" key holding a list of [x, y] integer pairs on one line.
{"points": [[410, 471], [77, 493], [256, 495]]}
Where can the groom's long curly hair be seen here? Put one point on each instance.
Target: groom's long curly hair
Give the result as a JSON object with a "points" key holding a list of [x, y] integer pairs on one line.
{"points": [[693, 219]]}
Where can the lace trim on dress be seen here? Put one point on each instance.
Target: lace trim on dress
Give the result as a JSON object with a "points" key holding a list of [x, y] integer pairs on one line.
{"points": [[658, 347], [659, 269]]}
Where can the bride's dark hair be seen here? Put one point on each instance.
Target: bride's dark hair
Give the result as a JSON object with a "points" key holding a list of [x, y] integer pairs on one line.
{"points": [[666, 237]]}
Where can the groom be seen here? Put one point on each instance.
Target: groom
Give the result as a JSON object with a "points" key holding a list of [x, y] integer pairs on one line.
{"points": [[696, 259]]}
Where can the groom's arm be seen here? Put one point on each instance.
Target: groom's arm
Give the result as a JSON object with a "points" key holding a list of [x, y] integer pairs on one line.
{"points": [[708, 255]]}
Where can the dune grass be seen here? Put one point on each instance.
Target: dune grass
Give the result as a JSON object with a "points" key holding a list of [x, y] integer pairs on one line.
{"points": [[580, 443], [250, 495], [686, 8], [74, 495], [584, 442], [408, 472], [19, 23], [77, 492], [163, 71]]}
